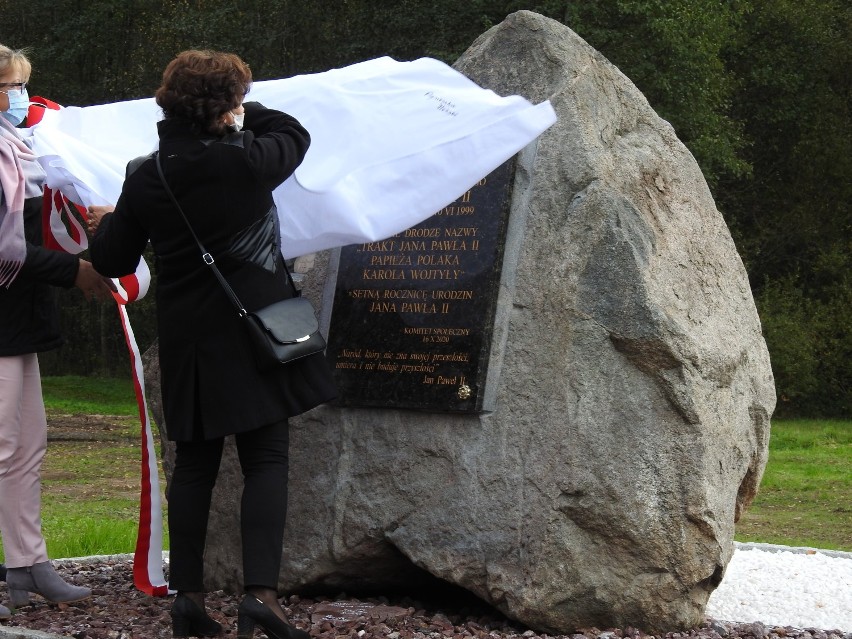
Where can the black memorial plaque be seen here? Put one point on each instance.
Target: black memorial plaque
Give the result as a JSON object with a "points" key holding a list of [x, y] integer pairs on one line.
{"points": [[413, 314]]}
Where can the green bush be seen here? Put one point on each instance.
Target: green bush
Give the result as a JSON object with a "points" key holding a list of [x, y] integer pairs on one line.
{"points": [[809, 345]]}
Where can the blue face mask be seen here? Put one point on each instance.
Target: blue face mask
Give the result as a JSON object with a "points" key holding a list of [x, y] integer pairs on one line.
{"points": [[19, 104]]}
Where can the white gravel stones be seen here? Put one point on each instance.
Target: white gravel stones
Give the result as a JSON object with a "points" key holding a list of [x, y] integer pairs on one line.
{"points": [[801, 588]]}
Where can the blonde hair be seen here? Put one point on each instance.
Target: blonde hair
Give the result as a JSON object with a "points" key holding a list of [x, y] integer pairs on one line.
{"points": [[17, 60]]}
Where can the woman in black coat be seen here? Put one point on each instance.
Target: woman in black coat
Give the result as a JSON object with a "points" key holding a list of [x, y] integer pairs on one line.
{"points": [[223, 178]]}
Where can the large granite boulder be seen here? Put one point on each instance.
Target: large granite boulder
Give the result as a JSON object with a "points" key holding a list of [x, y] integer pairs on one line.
{"points": [[632, 387]]}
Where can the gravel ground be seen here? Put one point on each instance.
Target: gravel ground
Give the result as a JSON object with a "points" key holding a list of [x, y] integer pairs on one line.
{"points": [[118, 611], [781, 585]]}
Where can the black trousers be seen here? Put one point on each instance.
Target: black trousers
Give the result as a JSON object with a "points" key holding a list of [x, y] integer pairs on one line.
{"points": [[264, 460]]}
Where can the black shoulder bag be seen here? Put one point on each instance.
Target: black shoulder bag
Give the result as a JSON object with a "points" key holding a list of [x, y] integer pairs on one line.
{"points": [[282, 332]]}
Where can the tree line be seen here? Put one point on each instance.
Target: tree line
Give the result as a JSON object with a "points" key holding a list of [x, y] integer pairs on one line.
{"points": [[758, 90]]}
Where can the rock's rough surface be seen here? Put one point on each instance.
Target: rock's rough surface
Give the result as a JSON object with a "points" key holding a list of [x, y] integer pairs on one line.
{"points": [[632, 384]]}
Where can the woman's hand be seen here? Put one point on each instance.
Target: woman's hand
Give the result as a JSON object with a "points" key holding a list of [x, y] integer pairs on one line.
{"points": [[94, 214], [93, 284]]}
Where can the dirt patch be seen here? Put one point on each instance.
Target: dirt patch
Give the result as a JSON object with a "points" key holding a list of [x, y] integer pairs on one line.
{"points": [[96, 428]]}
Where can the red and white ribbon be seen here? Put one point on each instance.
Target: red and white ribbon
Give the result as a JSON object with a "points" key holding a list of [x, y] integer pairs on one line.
{"points": [[148, 558]]}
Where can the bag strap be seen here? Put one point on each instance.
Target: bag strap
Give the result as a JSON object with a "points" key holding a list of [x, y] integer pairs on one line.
{"points": [[205, 254]]}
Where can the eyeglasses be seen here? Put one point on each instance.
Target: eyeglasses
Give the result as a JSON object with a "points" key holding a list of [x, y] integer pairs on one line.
{"points": [[5, 87]]}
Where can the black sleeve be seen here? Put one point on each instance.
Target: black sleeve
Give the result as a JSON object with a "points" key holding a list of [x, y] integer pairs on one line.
{"points": [[51, 267], [118, 243], [279, 143]]}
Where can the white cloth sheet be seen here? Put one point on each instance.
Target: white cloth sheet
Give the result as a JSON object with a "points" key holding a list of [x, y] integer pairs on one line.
{"points": [[392, 143]]}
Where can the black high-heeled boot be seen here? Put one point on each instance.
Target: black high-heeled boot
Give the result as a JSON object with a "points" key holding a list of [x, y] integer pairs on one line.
{"points": [[253, 611], [191, 620]]}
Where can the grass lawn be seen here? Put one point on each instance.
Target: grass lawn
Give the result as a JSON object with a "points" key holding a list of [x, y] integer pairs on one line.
{"points": [[805, 496], [91, 473], [74, 395], [90, 496]]}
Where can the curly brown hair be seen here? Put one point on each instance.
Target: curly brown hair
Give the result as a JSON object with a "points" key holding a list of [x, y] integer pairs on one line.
{"points": [[201, 86]]}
